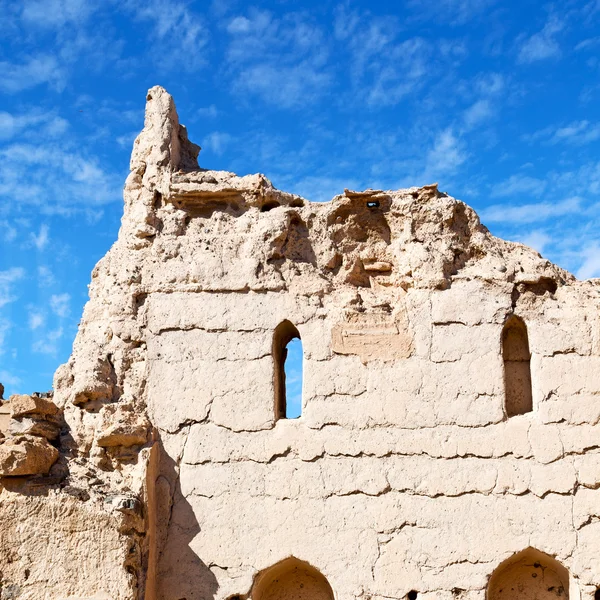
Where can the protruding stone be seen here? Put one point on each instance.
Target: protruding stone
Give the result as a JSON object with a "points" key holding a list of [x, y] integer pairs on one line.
{"points": [[22, 405], [33, 426], [26, 455], [120, 425]]}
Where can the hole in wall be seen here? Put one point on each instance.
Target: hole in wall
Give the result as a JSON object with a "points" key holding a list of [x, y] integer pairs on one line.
{"points": [[293, 379], [267, 206], [372, 205], [412, 595], [597, 594], [288, 359]]}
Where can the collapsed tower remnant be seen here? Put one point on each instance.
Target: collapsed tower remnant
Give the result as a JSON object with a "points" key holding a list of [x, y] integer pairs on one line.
{"points": [[448, 447]]}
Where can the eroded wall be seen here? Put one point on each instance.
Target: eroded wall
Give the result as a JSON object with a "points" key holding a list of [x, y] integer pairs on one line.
{"points": [[405, 472]]}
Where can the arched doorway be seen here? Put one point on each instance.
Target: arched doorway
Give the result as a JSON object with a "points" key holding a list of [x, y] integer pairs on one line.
{"points": [[529, 575], [291, 579]]}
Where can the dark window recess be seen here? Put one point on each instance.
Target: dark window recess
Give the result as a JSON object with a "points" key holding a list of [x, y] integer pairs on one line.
{"points": [[372, 204], [517, 368]]}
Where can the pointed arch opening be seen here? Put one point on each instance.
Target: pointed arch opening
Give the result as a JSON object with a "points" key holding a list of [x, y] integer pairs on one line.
{"points": [[517, 367], [291, 579], [288, 370], [530, 575]]}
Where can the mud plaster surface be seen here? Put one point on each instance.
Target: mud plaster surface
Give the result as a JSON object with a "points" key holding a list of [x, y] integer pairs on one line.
{"points": [[404, 473]]}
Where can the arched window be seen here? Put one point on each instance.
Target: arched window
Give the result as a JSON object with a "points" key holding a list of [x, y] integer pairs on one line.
{"points": [[529, 574], [517, 370], [287, 357], [291, 579]]}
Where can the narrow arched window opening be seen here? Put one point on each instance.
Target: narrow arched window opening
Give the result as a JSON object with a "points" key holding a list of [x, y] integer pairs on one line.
{"points": [[517, 368], [288, 359]]}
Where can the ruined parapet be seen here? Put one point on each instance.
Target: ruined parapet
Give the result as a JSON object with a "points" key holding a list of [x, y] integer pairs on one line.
{"points": [[450, 405]]}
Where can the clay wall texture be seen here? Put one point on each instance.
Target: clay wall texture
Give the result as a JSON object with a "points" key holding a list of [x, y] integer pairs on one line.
{"points": [[408, 471]]}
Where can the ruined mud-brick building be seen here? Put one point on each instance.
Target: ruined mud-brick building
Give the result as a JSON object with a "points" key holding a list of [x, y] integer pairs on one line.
{"points": [[449, 442]]}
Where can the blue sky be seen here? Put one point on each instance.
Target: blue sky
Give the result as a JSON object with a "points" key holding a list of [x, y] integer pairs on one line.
{"points": [[499, 102]]}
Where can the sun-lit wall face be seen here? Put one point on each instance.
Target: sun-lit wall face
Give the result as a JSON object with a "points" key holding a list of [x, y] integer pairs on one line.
{"points": [[406, 475]]}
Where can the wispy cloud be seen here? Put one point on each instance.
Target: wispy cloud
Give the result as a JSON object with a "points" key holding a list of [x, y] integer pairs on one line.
{"points": [[541, 45], [40, 240], [179, 35], [60, 304], [479, 112], [217, 142], [280, 60], [5, 326], [45, 276], [529, 213], [7, 279], [576, 133], [519, 184], [29, 73], [446, 155], [452, 12], [36, 319], [48, 343], [591, 262], [57, 13], [6, 377], [58, 180], [537, 240]]}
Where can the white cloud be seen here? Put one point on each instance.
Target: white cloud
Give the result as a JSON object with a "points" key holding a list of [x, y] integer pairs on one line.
{"points": [[452, 12], [537, 240], [36, 319], [239, 25], [48, 344], [57, 13], [217, 142], [34, 71], [518, 184], [7, 378], [58, 180], [479, 112], [446, 155], [40, 123], [7, 279], [577, 132], [126, 141], [45, 276], [282, 61], [588, 44], [5, 325], [40, 240], [530, 213], [208, 112], [591, 262], [60, 304], [286, 86], [179, 36], [541, 45]]}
